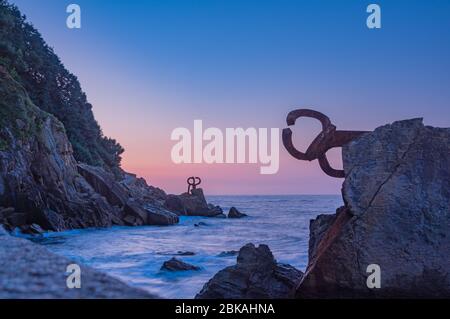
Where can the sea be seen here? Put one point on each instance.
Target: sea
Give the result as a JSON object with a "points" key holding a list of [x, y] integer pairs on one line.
{"points": [[135, 254]]}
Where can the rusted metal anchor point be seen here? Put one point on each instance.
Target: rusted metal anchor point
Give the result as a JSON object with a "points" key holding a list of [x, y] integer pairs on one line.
{"points": [[327, 139], [193, 182]]}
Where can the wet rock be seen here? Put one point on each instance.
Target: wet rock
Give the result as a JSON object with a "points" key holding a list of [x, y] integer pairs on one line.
{"points": [[397, 216], [32, 230], [105, 184], [256, 275], [175, 264], [193, 204], [235, 213], [51, 220]]}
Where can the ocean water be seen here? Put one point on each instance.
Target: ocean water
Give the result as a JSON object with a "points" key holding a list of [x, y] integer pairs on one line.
{"points": [[135, 254]]}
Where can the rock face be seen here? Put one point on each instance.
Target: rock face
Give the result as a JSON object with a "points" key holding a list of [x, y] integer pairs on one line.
{"points": [[397, 216], [255, 276], [193, 204], [46, 187], [38, 174], [175, 264], [29, 271], [234, 213]]}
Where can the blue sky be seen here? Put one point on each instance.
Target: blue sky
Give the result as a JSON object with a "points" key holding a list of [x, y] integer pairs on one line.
{"points": [[151, 66]]}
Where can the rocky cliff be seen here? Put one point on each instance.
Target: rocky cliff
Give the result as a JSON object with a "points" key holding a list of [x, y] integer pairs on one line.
{"points": [[42, 184], [396, 215]]}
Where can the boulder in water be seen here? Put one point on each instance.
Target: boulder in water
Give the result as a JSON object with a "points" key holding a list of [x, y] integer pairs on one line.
{"points": [[256, 275], [175, 264], [235, 213]]}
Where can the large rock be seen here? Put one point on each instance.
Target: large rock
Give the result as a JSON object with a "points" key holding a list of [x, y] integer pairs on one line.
{"points": [[193, 204], [105, 184], [397, 216], [137, 215], [30, 271], [255, 276], [139, 190]]}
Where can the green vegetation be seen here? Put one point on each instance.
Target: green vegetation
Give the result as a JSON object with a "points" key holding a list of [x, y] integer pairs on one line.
{"points": [[18, 115], [33, 64]]}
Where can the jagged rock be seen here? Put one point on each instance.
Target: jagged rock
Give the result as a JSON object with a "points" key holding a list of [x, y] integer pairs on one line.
{"points": [[397, 215], [160, 216], [139, 190], [255, 276], [193, 204], [216, 211], [135, 214], [32, 229], [175, 264], [317, 229], [105, 184], [30, 271], [138, 215], [234, 213]]}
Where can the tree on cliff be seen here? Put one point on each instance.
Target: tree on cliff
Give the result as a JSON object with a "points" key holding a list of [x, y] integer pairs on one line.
{"points": [[54, 89]]}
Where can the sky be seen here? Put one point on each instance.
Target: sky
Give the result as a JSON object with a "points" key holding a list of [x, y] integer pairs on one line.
{"points": [[149, 67]]}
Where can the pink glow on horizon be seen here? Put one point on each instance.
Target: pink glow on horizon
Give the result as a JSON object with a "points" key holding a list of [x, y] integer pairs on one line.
{"points": [[223, 179]]}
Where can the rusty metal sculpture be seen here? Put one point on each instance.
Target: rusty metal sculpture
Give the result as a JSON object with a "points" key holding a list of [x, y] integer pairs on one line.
{"points": [[193, 182], [327, 139]]}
